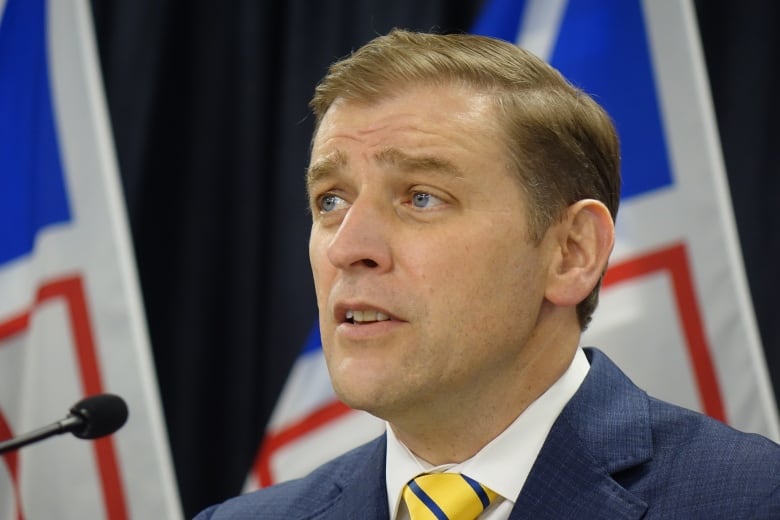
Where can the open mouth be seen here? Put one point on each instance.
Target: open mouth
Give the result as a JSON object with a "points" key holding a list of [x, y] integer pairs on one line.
{"points": [[366, 316]]}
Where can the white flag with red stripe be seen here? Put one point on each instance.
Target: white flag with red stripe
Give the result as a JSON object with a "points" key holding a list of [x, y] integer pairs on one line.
{"points": [[71, 319], [309, 424], [675, 311]]}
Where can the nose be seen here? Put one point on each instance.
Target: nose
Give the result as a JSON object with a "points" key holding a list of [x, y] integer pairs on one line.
{"points": [[362, 238]]}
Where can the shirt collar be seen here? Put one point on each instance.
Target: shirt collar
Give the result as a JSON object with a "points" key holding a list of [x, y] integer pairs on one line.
{"points": [[491, 466]]}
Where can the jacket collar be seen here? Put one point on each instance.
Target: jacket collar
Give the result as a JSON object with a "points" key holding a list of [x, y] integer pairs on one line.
{"points": [[603, 430], [360, 486]]}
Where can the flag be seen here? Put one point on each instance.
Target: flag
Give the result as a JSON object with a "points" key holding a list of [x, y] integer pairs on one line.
{"points": [[675, 311], [71, 318], [309, 425]]}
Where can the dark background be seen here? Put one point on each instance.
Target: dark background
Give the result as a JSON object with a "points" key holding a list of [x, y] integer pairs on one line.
{"points": [[208, 102]]}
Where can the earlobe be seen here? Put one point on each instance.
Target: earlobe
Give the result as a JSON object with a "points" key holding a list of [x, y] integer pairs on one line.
{"points": [[585, 238]]}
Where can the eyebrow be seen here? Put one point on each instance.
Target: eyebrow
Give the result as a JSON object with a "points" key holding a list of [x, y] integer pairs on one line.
{"points": [[325, 167], [401, 160]]}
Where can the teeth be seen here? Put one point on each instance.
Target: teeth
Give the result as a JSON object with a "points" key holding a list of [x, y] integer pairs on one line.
{"points": [[366, 316]]}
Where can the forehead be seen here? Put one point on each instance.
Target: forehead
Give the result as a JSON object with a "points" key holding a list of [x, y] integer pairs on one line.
{"points": [[423, 118]]}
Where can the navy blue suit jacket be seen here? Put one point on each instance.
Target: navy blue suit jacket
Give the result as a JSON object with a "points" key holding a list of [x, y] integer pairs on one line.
{"points": [[613, 453]]}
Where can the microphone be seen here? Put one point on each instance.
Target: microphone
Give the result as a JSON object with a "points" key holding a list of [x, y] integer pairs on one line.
{"points": [[90, 418]]}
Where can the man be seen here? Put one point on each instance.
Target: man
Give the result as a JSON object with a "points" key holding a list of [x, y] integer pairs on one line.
{"points": [[463, 197]]}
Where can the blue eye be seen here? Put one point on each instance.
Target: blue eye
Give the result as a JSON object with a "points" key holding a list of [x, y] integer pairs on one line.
{"points": [[421, 199], [330, 202]]}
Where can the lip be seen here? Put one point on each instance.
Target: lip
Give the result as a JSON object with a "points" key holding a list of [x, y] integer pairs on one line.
{"points": [[341, 308], [363, 331]]}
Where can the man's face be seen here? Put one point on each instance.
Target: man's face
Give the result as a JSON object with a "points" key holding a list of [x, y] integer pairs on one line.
{"points": [[427, 285]]}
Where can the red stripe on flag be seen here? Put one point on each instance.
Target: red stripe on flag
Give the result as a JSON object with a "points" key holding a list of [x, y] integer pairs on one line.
{"points": [[15, 325], [674, 261], [10, 327], [12, 461], [274, 441], [71, 290]]}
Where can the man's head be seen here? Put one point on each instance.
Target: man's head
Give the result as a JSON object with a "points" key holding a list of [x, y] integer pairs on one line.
{"points": [[562, 145], [457, 225]]}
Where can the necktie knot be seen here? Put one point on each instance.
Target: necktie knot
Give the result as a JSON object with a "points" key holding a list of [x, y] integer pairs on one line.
{"points": [[446, 496]]}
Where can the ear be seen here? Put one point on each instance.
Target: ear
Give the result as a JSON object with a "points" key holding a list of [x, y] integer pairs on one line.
{"points": [[583, 243]]}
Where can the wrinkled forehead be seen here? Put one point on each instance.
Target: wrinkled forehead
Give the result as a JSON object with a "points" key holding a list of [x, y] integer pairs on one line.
{"points": [[489, 100]]}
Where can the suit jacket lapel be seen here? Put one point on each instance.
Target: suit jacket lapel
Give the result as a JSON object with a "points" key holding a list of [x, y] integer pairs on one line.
{"points": [[362, 492], [603, 430]]}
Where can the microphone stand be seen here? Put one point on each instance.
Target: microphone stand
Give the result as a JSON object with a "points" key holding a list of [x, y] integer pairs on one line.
{"points": [[62, 426]]}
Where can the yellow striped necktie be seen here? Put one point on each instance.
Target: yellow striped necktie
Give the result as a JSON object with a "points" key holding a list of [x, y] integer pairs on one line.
{"points": [[446, 496]]}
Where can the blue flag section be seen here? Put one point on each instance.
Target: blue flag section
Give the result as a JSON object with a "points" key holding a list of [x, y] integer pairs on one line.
{"points": [[32, 189], [500, 19], [313, 342], [602, 48]]}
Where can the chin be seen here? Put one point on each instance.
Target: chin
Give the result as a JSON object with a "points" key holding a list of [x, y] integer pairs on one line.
{"points": [[368, 398]]}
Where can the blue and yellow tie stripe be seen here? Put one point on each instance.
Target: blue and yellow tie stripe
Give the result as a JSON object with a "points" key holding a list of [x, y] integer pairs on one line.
{"points": [[446, 496]]}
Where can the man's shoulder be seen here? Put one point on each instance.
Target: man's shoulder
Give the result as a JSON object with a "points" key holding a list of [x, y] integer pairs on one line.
{"points": [[664, 426], [681, 461], [700, 463], [300, 498], [708, 443]]}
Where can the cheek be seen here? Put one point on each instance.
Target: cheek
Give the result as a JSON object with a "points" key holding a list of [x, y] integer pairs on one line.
{"points": [[492, 278], [318, 259]]}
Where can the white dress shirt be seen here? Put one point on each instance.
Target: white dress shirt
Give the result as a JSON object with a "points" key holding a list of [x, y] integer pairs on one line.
{"points": [[504, 463]]}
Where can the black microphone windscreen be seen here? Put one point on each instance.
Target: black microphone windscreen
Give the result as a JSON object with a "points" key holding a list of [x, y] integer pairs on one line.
{"points": [[101, 414]]}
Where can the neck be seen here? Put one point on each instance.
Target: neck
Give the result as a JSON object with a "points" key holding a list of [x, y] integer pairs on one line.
{"points": [[456, 427]]}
